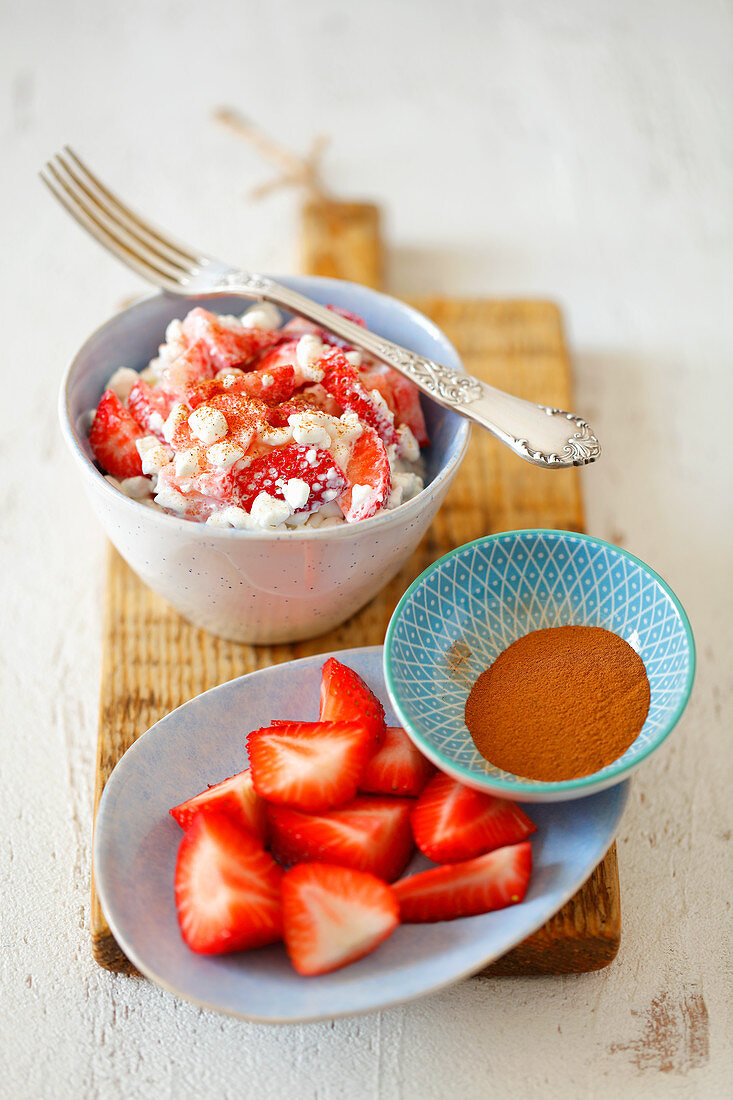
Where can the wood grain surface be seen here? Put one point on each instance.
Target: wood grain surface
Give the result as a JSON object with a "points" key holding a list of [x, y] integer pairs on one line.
{"points": [[154, 660], [342, 240]]}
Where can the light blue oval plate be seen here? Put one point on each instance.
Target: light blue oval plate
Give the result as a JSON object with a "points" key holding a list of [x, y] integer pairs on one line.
{"points": [[136, 842]]}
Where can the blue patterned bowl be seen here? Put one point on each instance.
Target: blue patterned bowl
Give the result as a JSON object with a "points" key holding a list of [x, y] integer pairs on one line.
{"points": [[467, 607]]}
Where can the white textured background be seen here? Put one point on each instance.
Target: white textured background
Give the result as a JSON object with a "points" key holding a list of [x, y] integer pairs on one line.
{"points": [[576, 150]]}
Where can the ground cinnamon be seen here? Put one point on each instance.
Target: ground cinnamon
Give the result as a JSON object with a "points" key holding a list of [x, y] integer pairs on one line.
{"points": [[559, 703]]}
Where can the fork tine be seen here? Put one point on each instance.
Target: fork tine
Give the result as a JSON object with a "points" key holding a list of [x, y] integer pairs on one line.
{"points": [[134, 222], [70, 201]]}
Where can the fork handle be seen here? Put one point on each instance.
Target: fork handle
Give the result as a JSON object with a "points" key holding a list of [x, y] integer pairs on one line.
{"points": [[547, 437]]}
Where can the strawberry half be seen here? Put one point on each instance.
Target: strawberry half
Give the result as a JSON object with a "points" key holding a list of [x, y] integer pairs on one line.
{"points": [[333, 916], [337, 341], [369, 469], [191, 366], [407, 407], [367, 834], [452, 822], [148, 408], [235, 797], [343, 382], [481, 885], [227, 888], [274, 385], [227, 345], [310, 765], [112, 438], [397, 767], [346, 698], [271, 473]]}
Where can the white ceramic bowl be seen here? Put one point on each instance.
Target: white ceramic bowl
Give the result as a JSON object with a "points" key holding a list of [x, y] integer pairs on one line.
{"points": [[252, 586]]}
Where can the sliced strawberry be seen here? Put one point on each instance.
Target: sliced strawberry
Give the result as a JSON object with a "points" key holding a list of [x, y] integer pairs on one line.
{"points": [[346, 698], [379, 378], [336, 341], [235, 797], [491, 881], [112, 438], [271, 473], [303, 401], [227, 888], [368, 468], [191, 366], [397, 767], [283, 354], [407, 407], [201, 390], [191, 502], [453, 822], [333, 916], [310, 765], [343, 382], [298, 326], [148, 407], [227, 345], [368, 834], [274, 384]]}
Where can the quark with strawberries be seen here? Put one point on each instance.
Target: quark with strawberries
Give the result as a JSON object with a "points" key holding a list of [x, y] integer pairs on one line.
{"points": [[242, 423]]}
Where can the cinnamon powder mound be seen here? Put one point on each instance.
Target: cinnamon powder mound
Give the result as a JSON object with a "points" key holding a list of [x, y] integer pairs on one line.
{"points": [[559, 703]]}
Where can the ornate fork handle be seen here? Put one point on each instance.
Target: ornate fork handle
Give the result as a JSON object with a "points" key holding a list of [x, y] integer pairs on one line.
{"points": [[544, 436]]}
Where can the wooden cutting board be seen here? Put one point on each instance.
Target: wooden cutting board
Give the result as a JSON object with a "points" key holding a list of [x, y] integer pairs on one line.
{"points": [[154, 661]]}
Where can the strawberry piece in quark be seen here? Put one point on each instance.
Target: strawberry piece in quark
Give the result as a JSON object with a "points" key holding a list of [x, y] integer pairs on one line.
{"points": [[148, 407], [197, 496], [282, 355], [192, 365], [369, 478], [112, 438], [379, 378], [299, 326], [286, 354], [343, 382], [302, 475], [273, 384], [228, 345], [402, 396], [337, 341], [407, 407], [305, 400], [243, 417]]}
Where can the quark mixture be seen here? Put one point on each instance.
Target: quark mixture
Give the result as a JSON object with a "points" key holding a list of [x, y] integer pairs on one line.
{"points": [[243, 422]]}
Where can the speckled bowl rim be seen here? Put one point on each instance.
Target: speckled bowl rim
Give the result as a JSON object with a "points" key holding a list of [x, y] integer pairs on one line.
{"points": [[588, 784], [399, 515]]}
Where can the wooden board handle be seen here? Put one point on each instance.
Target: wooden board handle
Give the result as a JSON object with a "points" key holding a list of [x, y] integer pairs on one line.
{"points": [[342, 240]]}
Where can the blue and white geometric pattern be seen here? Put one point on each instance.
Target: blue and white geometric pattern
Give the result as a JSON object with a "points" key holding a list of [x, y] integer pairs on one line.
{"points": [[463, 611]]}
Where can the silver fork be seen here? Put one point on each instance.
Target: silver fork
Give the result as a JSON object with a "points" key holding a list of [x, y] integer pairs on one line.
{"points": [[547, 437]]}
